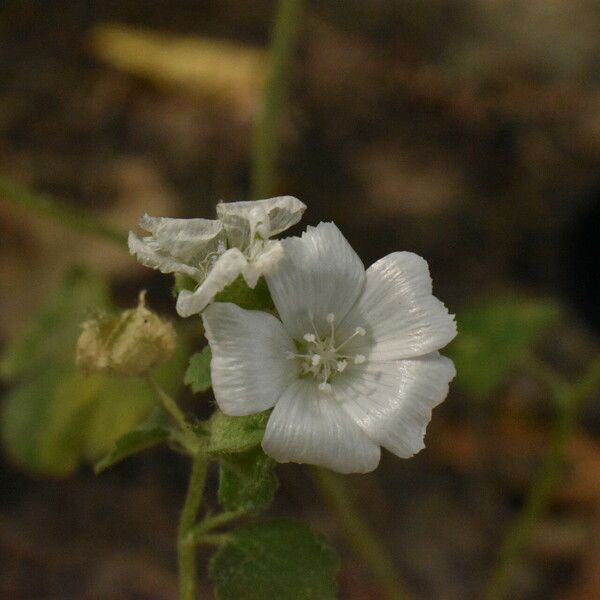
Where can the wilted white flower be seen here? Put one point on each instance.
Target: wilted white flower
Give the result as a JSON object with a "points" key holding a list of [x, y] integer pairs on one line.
{"points": [[353, 363], [215, 252]]}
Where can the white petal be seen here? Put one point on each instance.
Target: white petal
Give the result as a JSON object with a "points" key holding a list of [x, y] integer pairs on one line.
{"points": [[309, 426], [392, 402], [226, 270], [397, 308], [187, 239], [249, 368], [147, 252], [319, 274], [267, 217], [264, 263]]}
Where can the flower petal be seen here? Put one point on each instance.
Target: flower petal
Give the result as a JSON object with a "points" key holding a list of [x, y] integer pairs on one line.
{"points": [[225, 271], [264, 263], [392, 402], [268, 217], [309, 426], [190, 240], [249, 368], [397, 308], [150, 255], [319, 274]]}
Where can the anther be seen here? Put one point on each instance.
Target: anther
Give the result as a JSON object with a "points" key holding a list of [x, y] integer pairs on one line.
{"points": [[359, 359], [325, 387], [289, 354], [315, 360], [360, 331], [330, 318], [341, 365], [310, 337]]}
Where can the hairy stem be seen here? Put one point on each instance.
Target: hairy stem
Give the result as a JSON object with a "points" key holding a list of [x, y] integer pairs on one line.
{"points": [[266, 137], [186, 544], [186, 436], [66, 215], [362, 539], [169, 404], [568, 399]]}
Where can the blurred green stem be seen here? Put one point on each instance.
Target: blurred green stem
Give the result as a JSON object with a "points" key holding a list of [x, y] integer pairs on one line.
{"points": [[68, 216], [266, 136], [364, 542], [568, 399]]}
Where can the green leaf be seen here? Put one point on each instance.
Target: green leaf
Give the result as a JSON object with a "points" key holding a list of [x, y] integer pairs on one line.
{"points": [[197, 375], [494, 338], [54, 417], [247, 481], [280, 559], [153, 431], [232, 435], [239, 293]]}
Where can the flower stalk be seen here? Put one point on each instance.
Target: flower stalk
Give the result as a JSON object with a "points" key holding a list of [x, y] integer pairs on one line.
{"points": [[186, 543]]}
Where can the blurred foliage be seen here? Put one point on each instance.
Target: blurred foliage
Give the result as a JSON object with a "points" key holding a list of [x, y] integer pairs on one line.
{"points": [[495, 337], [280, 559], [226, 70], [54, 417], [197, 375], [247, 481]]}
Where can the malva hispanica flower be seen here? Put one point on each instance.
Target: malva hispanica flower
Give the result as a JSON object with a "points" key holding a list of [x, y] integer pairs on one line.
{"points": [[352, 363], [214, 253]]}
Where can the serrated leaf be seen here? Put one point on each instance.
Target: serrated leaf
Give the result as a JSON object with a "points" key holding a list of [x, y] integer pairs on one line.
{"points": [[197, 375], [53, 417], [495, 337], [232, 435], [247, 481], [155, 430], [280, 559]]}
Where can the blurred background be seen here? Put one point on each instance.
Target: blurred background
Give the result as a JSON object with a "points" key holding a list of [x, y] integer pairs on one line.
{"points": [[467, 131]]}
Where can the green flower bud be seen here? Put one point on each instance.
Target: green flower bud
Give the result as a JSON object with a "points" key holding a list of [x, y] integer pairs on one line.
{"points": [[131, 343]]}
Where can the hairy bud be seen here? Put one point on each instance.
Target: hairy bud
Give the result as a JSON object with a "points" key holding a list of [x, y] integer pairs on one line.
{"points": [[129, 344]]}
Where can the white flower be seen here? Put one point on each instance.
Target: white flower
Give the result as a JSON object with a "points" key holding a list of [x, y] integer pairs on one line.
{"points": [[215, 252], [351, 366]]}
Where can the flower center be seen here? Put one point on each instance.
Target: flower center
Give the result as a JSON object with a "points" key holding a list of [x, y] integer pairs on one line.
{"points": [[321, 356]]}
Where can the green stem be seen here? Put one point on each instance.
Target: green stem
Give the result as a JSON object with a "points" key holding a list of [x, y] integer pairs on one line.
{"points": [[209, 523], [362, 539], [168, 404], [568, 400], [266, 138], [66, 215], [214, 539], [188, 438], [186, 544]]}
